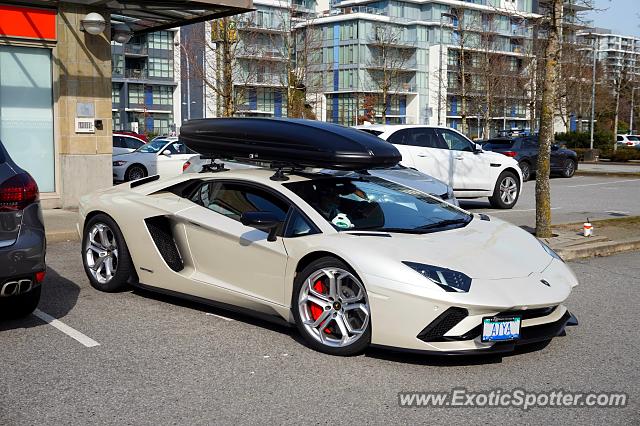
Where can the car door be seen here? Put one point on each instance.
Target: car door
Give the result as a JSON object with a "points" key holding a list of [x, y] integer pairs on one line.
{"points": [[230, 255], [171, 158], [470, 170]]}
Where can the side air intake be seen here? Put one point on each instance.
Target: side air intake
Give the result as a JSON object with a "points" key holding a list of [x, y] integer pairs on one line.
{"points": [[446, 321], [160, 229]]}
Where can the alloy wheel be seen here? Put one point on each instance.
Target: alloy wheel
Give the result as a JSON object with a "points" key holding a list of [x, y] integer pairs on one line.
{"points": [[569, 169], [101, 253], [333, 307], [136, 173], [508, 190]]}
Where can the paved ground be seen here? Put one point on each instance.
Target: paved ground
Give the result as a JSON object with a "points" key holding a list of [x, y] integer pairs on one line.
{"points": [[572, 200], [604, 167], [163, 361]]}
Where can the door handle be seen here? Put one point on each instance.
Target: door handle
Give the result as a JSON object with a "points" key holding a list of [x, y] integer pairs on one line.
{"points": [[460, 158], [423, 155]]}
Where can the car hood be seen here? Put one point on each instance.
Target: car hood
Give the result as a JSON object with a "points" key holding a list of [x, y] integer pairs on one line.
{"points": [[482, 250]]}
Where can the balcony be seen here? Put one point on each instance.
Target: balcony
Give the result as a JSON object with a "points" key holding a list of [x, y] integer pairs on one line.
{"points": [[261, 27], [262, 79], [136, 73], [376, 40], [262, 54], [133, 49]]}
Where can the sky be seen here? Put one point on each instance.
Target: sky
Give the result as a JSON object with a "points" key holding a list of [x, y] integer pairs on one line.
{"points": [[620, 16]]}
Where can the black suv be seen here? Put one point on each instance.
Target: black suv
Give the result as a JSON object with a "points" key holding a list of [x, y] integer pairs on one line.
{"points": [[524, 149], [22, 240]]}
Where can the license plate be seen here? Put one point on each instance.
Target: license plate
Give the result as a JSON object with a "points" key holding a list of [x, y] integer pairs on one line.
{"points": [[496, 329]]}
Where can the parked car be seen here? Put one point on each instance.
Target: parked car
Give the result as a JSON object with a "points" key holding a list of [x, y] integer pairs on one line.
{"points": [[22, 240], [124, 144], [451, 157], [627, 140], [524, 149], [134, 134], [164, 157], [352, 261]]}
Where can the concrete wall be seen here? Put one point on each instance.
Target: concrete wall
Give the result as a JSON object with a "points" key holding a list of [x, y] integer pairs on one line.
{"points": [[82, 73]]}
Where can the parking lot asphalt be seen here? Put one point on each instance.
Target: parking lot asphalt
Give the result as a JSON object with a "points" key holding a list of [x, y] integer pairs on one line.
{"points": [[572, 200], [160, 360]]}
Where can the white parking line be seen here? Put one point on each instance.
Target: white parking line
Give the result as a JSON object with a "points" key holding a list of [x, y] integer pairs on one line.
{"points": [[603, 183], [69, 331], [515, 211], [218, 316]]}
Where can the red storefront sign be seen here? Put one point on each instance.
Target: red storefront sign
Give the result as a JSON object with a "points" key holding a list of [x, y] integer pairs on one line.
{"points": [[27, 22]]}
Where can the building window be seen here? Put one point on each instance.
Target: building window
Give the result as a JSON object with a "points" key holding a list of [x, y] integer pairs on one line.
{"points": [[160, 67], [162, 95], [117, 125], [161, 40], [265, 99], [136, 94], [117, 64], [26, 111], [115, 93]]}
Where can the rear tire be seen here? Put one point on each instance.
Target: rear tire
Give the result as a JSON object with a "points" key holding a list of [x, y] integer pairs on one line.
{"points": [[135, 172], [526, 170], [105, 255], [332, 318], [22, 305], [569, 169], [506, 192]]}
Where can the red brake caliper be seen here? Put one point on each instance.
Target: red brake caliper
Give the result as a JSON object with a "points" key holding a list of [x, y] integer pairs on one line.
{"points": [[316, 310]]}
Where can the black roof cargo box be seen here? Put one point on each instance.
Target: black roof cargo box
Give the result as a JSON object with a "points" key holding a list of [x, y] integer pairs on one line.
{"points": [[303, 143]]}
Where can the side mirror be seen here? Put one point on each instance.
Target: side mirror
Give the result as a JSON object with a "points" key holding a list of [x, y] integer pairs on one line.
{"points": [[477, 148], [166, 152], [266, 221]]}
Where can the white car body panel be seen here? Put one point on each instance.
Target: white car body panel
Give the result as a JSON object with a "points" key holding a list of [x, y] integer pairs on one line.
{"points": [[227, 262]]}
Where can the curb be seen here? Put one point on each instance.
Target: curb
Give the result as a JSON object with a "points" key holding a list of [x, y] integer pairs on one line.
{"points": [[60, 236], [599, 249], [612, 174]]}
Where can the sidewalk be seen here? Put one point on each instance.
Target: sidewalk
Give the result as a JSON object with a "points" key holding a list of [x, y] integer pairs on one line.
{"points": [[612, 169], [609, 237], [60, 225]]}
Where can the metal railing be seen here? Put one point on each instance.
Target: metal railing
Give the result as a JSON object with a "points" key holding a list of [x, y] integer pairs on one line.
{"points": [[136, 73], [136, 49]]}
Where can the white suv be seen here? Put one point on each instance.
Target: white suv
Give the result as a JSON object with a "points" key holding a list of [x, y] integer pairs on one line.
{"points": [[451, 157]]}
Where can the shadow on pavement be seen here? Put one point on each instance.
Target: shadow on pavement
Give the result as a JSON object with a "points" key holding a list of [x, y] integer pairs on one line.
{"points": [[59, 296]]}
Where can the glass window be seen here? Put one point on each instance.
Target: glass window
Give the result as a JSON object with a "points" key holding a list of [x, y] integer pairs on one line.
{"points": [[160, 67], [161, 40], [131, 143], [370, 203], [299, 225], [136, 94], [234, 199], [456, 141], [115, 93], [117, 142], [401, 137], [117, 64], [427, 138], [162, 95], [26, 111]]}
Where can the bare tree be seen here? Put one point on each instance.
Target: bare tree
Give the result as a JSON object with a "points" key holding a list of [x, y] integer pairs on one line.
{"points": [[549, 91], [391, 62]]}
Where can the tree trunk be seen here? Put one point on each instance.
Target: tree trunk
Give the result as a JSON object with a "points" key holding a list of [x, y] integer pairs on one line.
{"points": [[549, 88], [228, 107], [463, 91]]}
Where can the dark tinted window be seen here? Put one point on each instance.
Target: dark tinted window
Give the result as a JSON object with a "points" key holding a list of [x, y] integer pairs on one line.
{"points": [[233, 199], [530, 143], [117, 142], [456, 141], [427, 138], [371, 131], [299, 225], [2, 159], [401, 137], [619, 138], [132, 143]]}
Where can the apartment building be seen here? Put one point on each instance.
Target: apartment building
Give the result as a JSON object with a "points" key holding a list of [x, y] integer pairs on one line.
{"points": [[616, 53], [145, 94]]}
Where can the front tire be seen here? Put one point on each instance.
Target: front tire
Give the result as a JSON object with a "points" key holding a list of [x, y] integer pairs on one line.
{"points": [[569, 169], [331, 308], [105, 255], [506, 192]]}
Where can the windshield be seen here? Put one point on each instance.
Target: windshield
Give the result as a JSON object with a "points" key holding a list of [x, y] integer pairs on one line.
{"points": [[158, 145], [374, 204]]}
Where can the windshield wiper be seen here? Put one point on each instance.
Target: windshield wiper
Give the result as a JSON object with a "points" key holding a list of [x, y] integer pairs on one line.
{"points": [[444, 223], [398, 230]]}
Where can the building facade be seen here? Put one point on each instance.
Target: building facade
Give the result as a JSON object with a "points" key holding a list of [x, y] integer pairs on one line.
{"points": [[144, 90]]}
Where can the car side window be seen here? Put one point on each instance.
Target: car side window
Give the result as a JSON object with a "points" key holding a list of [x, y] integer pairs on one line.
{"points": [[427, 138], [233, 199], [117, 142], [530, 143], [132, 143], [298, 225], [455, 141], [619, 139], [401, 137]]}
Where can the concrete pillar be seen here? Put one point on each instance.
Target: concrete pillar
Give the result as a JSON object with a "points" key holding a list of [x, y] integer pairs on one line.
{"points": [[82, 64]]}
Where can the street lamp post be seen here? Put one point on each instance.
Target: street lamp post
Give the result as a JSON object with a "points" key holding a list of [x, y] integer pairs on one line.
{"points": [[186, 57], [450, 16], [593, 88], [631, 114]]}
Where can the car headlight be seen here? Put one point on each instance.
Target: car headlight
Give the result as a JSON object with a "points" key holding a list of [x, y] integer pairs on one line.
{"points": [[447, 279], [119, 163], [550, 251]]}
